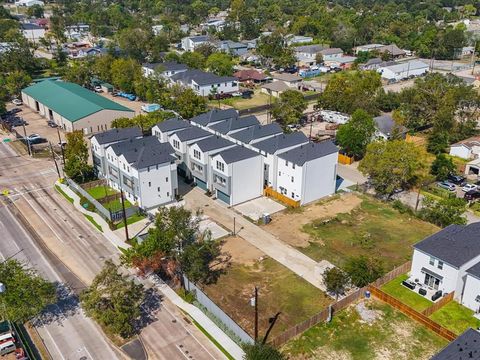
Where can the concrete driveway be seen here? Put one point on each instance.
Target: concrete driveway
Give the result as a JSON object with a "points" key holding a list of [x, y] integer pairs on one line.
{"points": [[254, 209]]}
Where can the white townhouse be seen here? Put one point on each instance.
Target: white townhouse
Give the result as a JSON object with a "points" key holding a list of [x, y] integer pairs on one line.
{"points": [[403, 70], [190, 43], [237, 175], [450, 261], [308, 172], [102, 141], [270, 148], [165, 129], [254, 134], [180, 141], [144, 169], [205, 83], [200, 160], [228, 127], [213, 117], [164, 69]]}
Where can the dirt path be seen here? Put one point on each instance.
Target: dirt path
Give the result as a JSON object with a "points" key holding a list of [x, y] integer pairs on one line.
{"points": [[288, 225], [242, 251]]}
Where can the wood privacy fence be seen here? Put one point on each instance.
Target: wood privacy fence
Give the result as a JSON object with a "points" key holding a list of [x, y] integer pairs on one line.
{"points": [[339, 305], [344, 159], [438, 305], [413, 314], [269, 192]]}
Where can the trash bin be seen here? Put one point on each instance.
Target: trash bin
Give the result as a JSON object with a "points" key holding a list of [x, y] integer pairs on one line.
{"points": [[367, 294], [266, 218]]}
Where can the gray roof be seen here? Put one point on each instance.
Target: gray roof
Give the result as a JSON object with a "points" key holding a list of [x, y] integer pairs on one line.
{"points": [[147, 151], [237, 153], [166, 66], [308, 152], [310, 49], [173, 124], [407, 66], [287, 77], [455, 244], [213, 116], [279, 142], [199, 38], [475, 270], [277, 86], [213, 143], [30, 26], [466, 346], [114, 135], [192, 133], [201, 77], [385, 124], [257, 132], [331, 51], [236, 123]]}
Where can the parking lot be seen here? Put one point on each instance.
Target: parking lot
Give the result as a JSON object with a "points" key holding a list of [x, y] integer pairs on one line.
{"points": [[134, 105]]}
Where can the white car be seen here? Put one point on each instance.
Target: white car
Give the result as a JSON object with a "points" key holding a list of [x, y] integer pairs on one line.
{"points": [[98, 89], [469, 187], [17, 102]]}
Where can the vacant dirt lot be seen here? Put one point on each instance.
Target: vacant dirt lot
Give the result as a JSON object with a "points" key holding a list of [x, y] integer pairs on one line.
{"points": [[242, 252], [288, 225]]}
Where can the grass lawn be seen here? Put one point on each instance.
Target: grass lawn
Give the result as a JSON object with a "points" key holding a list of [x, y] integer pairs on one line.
{"points": [[374, 229], [455, 317], [116, 205], [279, 290], [257, 99], [391, 336], [99, 192], [132, 219], [92, 220], [59, 189], [407, 296]]}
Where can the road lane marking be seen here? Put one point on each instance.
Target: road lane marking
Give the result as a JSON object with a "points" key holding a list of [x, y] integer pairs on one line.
{"points": [[53, 342], [181, 352]]}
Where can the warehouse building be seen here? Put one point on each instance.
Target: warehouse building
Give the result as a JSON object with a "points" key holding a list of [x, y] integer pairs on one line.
{"points": [[73, 107]]}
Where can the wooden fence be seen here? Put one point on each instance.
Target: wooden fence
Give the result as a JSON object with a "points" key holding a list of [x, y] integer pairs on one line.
{"points": [[94, 183], [413, 314], [438, 305], [344, 159], [339, 305], [269, 192]]}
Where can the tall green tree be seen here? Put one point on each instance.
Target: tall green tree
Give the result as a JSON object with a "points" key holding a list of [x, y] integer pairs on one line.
{"points": [[442, 166], [76, 158], [336, 281], [113, 301], [274, 51], [35, 11], [355, 135], [444, 212], [26, 293], [220, 64], [188, 104], [363, 270], [193, 59], [16, 81], [289, 107], [124, 74]]}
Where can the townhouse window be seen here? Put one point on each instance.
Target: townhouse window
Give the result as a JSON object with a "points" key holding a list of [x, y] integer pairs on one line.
{"points": [[149, 184], [264, 167], [432, 261], [176, 144], [279, 173], [293, 179], [148, 168], [168, 194], [158, 189], [219, 180], [128, 168], [124, 168], [293, 195], [128, 182], [440, 265], [166, 179], [220, 166], [156, 166], [286, 162], [293, 166], [196, 154]]}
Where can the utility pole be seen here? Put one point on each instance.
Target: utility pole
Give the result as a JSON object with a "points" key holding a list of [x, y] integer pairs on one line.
{"points": [[54, 160], [256, 314], [61, 146], [124, 215], [26, 139]]}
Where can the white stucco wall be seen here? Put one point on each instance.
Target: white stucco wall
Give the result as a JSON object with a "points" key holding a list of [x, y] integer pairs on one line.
{"points": [[224, 87], [471, 291], [247, 179], [158, 186]]}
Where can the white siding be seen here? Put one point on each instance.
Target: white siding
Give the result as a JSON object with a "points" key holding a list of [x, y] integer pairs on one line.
{"points": [[157, 187], [247, 179], [461, 151], [472, 290], [224, 87], [320, 176]]}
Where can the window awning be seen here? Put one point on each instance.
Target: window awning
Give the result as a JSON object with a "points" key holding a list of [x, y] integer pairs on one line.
{"points": [[430, 272]]}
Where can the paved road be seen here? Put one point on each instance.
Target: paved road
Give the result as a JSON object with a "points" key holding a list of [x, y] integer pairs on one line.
{"points": [[77, 243]]}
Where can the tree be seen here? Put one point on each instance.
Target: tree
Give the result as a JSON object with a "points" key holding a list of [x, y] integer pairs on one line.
{"points": [[289, 107], [349, 91], [220, 64], [26, 293], [438, 142], [274, 51], [124, 73], [444, 212], [113, 301], [78, 72], [193, 59], [188, 104], [35, 11], [319, 58], [363, 270], [145, 122], [76, 157], [442, 166], [336, 281], [206, 49], [260, 351], [16, 81], [393, 165], [355, 135]]}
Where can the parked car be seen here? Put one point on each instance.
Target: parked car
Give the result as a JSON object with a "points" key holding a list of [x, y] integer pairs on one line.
{"points": [[446, 185], [11, 112], [35, 139], [98, 89], [52, 124], [247, 94], [469, 187], [457, 179], [17, 102], [18, 122], [472, 195]]}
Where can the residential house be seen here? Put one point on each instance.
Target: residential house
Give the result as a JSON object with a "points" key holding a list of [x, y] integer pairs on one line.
{"points": [[164, 69], [254, 134], [213, 24], [200, 159], [306, 54], [32, 32], [466, 149], [449, 261], [103, 140], [205, 83], [367, 48], [291, 80], [392, 50], [230, 126], [342, 62], [144, 169], [385, 127], [233, 48], [237, 175], [297, 39], [275, 88], [157, 29], [465, 346], [190, 43], [165, 129], [375, 63], [77, 31], [331, 53], [28, 3], [308, 172], [403, 70], [251, 77]]}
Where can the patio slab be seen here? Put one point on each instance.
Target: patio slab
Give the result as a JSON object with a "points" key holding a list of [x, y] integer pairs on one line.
{"points": [[254, 209]]}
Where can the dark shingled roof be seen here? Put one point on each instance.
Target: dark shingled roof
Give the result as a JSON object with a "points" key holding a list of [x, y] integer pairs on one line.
{"points": [[192, 133], [213, 143], [167, 66], [311, 151], [280, 142], [475, 270], [147, 151], [114, 135], [173, 124], [385, 124], [237, 153], [455, 244], [236, 123], [464, 347], [257, 132], [213, 116], [201, 77]]}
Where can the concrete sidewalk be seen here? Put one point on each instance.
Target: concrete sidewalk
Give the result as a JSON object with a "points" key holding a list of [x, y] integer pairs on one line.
{"points": [[286, 255]]}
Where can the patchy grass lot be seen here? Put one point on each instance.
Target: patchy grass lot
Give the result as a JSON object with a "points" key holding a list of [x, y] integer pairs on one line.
{"points": [[392, 336]]}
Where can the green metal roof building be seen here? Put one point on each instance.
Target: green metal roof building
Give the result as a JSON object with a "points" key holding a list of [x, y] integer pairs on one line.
{"points": [[73, 107]]}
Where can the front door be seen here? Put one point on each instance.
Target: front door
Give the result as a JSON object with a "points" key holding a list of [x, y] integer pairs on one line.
{"points": [[431, 281]]}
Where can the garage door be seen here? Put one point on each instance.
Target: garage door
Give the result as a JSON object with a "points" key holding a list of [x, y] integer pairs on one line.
{"points": [[201, 184], [223, 197]]}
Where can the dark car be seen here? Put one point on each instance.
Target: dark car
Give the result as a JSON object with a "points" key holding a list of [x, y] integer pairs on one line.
{"points": [[247, 94], [472, 195], [52, 124], [457, 179]]}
